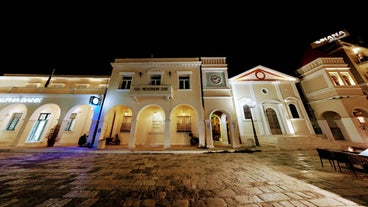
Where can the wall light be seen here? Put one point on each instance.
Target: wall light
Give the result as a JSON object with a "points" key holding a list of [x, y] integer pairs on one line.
{"points": [[94, 100]]}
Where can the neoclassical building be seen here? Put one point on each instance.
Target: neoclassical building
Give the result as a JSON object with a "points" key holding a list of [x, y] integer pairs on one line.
{"points": [[338, 102], [334, 82], [157, 102], [271, 102], [153, 102], [35, 113]]}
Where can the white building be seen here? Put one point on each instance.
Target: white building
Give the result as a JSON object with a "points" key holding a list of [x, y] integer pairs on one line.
{"points": [[153, 102], [270, 101], [334, 82], [33, 115]]}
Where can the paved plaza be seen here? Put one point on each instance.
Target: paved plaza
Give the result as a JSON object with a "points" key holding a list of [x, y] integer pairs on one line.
{"points": [[90, 177]]}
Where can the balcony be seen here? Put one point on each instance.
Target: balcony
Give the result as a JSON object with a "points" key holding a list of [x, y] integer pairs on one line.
{"points": [[148, 92]]}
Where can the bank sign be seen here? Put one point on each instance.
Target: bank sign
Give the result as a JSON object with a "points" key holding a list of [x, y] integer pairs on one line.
{"points": [[20, 99], [330, 38]]}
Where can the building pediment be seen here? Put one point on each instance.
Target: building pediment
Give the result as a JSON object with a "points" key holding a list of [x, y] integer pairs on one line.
{"points": [[261, 73]]}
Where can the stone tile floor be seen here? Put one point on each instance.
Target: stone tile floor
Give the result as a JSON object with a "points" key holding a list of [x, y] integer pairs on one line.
{"points": [[87, 177]]}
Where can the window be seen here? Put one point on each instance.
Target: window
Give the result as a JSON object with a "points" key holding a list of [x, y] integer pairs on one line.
{"points": [[127, 124], [184, 124], [126, 82], [71, 122], [38, 127], [156, 79], [361, 58], [347, 79], [336, 79], [14, 121], [294, 111], [264, 91], [184, 82]]}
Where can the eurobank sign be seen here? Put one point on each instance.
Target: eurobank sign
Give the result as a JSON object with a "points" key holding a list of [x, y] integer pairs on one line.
{"points": [[20, 99], [330, 38]]}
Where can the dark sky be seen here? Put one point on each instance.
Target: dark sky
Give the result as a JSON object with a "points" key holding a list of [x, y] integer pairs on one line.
{"points": [[85, 39]]}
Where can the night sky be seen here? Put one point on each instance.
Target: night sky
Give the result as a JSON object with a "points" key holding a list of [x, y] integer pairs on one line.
{"points": [[85, 39]]}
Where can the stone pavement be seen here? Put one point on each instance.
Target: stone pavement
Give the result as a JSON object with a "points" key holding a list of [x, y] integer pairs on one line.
{"points": [[177, 178]]}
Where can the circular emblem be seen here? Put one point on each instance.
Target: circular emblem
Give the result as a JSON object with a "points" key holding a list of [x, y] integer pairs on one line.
{"points": [[215, 79], [260, 75]]}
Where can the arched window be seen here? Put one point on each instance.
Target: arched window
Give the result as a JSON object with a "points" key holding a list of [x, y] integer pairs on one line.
{"points": [[336, 81], [294, 111], [347, 78]]}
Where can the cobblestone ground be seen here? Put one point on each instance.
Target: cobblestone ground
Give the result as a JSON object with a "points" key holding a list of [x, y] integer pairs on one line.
{"points": [[276, 178]]}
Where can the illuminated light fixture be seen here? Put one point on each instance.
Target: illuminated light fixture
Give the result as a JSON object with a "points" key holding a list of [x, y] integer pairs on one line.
{"points": [[355, 50], [350, 149], [361, 119], [94, 100], [154, 113], [126, 113]]}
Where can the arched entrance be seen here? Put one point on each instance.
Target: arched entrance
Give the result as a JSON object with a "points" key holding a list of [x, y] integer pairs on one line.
{"points": [[118, 122], [150, 127], [183, 120], [221, 133], [333, 119], [273, 121]]}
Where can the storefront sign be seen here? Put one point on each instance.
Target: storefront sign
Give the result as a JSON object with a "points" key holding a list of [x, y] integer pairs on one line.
{"points": [[330, 38], [20, 99]]}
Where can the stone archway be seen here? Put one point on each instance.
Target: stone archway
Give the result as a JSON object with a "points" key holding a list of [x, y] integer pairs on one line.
{"points": [[333, 120]]}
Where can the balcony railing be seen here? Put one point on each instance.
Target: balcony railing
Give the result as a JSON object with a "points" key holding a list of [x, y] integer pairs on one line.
{"points": [[151, 91]]}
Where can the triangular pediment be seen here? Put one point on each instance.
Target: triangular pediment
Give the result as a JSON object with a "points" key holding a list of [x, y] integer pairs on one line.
{"points": [[261, 73]]}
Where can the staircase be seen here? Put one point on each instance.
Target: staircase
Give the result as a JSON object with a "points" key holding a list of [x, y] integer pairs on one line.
{"points": [[298, 142]]}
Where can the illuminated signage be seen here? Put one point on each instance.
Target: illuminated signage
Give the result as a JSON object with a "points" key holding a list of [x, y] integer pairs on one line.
{"points": [[330, 38], [20, 100]]}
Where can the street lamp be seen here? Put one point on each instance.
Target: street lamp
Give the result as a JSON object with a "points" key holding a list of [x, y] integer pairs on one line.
{"points": [[247, 109], [99, 103], [254, 130]]}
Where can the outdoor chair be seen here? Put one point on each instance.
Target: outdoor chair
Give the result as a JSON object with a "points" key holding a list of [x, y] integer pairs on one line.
{"points": [[325, 154], [342, 159], [359, 163]]}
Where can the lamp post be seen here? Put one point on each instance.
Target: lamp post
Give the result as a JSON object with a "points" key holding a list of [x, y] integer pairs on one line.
{"points": [[100, 103], [254, 129]]}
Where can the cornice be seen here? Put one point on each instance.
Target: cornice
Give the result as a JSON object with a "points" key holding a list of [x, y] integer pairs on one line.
{"points": [[160, 65]]}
